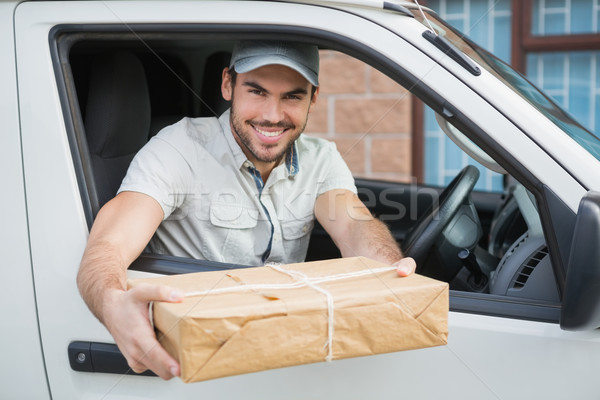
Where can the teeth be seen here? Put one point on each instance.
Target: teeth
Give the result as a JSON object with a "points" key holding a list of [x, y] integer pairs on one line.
{"points": [[270, 134]]}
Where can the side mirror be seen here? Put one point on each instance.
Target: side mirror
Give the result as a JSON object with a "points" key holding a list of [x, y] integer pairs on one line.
{"points": [[581, 300]]}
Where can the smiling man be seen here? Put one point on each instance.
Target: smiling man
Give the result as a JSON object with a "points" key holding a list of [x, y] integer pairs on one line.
{"points": [[244, 188]]}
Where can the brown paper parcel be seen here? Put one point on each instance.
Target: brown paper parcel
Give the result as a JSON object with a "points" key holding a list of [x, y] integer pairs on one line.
{"points": [[261, 326]]}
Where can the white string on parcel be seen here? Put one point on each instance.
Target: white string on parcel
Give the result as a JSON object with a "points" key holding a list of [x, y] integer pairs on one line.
{"points": [[330, 321], [302, 280]]}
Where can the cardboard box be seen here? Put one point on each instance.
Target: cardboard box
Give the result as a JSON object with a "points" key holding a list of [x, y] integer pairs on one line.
{"points": [[253, 319]]}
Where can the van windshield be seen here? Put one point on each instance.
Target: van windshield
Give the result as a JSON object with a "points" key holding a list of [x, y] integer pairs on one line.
{"points": [[518, 83]]}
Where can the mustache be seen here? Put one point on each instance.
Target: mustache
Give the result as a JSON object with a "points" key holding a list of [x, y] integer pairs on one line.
{"points": [[268, 124]]}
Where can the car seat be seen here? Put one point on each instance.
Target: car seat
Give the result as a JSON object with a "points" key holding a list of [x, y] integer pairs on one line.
{"points": [[117, 119]]}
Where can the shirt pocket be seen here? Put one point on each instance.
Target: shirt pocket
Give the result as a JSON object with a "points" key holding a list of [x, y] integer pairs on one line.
{"points": [[296, 236], [295, 229], [231, 233]]}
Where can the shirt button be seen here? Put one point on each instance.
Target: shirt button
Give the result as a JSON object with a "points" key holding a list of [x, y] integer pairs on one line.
{"points": [[305, 228]]}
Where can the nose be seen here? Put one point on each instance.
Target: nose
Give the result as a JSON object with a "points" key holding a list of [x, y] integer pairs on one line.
{"points": [[273, 111]]}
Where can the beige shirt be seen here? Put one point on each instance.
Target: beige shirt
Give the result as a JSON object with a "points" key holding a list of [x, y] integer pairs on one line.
{"points": [[216, 206]]}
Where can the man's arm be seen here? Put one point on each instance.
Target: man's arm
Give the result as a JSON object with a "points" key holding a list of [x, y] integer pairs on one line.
{"points": [[356, 232], [120, 232]]}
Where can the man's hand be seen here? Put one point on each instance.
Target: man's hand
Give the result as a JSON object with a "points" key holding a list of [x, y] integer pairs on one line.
{"points": [[405, 266], [120, 232], [127, 318]]}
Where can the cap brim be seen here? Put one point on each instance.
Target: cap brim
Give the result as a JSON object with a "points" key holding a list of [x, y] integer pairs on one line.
{"points": [[251, 63]]}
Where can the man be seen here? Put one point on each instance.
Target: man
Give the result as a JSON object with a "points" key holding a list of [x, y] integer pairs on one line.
{"points": [[244, 188]]}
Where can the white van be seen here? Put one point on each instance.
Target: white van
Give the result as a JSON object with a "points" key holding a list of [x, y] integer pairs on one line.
{"points": [[84, 85]]}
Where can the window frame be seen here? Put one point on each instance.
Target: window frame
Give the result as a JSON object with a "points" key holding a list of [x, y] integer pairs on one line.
{"points": [[63, 37]]}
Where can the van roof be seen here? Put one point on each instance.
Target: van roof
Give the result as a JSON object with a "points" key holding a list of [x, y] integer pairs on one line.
{"points": [[393, 5], [400, 6]]}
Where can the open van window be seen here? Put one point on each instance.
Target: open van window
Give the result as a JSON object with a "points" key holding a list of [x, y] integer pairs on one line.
{"points": [[159, 80]]}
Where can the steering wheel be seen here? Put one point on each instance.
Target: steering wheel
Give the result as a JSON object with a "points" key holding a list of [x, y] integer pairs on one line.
{"points": [[431, 224]]}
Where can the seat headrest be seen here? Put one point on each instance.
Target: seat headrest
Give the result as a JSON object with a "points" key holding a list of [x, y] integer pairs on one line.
{"points": [[118, 107]]}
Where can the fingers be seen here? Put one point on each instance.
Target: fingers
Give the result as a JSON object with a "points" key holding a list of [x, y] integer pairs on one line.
{"points": [[405, 266], [128, 322], [147, 353], [148, 293]]}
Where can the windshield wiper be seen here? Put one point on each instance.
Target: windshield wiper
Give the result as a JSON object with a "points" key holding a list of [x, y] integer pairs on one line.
{"points": [[452, 51]]}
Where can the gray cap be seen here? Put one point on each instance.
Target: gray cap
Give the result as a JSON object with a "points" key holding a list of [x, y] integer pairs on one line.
{"points": [[303, 58]]}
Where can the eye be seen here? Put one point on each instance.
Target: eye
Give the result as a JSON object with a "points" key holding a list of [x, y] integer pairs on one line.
{"points": [[293, 97], [255, 91]]}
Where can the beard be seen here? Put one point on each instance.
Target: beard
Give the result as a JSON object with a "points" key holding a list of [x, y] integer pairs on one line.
{"points": [[267, 153]]}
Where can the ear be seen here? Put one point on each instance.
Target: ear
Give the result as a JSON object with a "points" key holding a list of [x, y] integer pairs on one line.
{"points": [[226, 85], [314, 99]]}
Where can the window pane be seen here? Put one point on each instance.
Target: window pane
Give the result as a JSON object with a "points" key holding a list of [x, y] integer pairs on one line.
{"points": [[580, 90], [432, 149], [554, 24], [501, 42], [555, 3], [564, 17], [571, 79], [455, 7], [553, 66], [477, 18], [582, 16], [502, 5]]}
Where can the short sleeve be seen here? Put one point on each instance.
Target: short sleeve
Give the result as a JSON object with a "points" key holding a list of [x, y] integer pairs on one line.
{"points": [[161, 171], [336, 174]]}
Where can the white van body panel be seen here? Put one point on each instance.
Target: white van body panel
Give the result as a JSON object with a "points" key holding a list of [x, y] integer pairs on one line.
{"points": [[486, 357]]}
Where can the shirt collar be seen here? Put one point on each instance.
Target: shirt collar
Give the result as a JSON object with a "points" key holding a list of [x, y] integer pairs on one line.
{"points": [[291, 161], [292, 164]]}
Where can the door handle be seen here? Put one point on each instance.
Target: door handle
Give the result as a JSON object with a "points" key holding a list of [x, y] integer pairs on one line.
{"points": [[100, 357]]}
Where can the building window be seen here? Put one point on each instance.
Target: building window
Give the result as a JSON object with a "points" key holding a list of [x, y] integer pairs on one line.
{"points": [[569, 77], [555, 43], [564, 17]]}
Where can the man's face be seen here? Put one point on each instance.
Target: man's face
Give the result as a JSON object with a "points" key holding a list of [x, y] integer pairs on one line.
{"points": [[268, 111]]}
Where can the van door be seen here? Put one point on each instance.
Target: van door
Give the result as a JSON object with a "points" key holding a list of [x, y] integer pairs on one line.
{"points": [[498, 347]]}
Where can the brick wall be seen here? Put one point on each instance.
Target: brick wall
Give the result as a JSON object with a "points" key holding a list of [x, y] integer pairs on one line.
{"points": [[367, 115]]}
